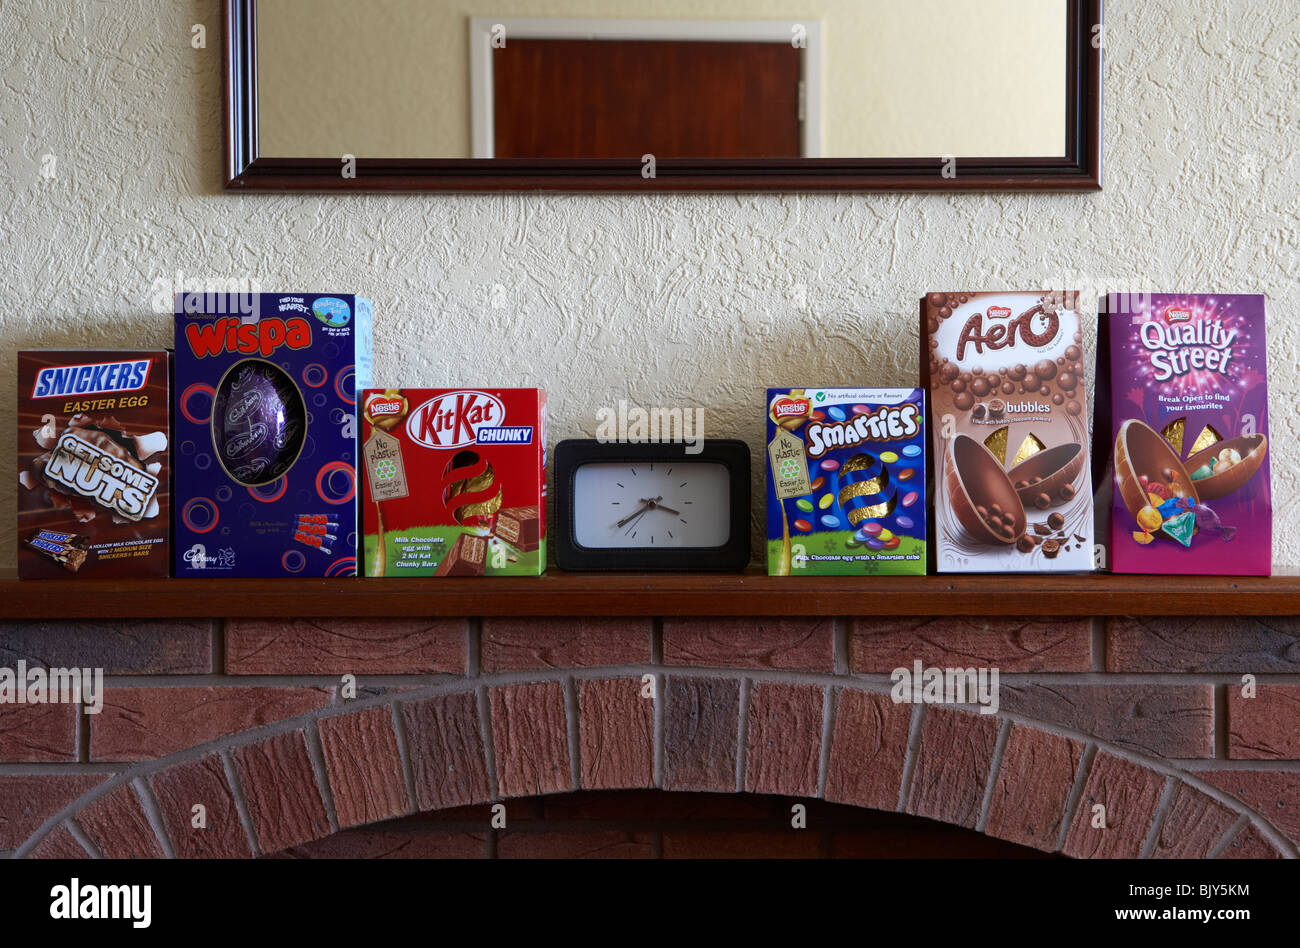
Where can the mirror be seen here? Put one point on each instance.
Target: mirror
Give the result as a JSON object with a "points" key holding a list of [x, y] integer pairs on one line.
{"points": [[722, 95]]}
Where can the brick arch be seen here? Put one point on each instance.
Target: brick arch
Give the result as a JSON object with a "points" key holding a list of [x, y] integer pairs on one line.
{"points": [[507, 736]]}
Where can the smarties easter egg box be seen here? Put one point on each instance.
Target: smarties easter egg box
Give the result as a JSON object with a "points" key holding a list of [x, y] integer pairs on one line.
{"points": [[845, 482], [266, 432], [455, 481], [94, 483], [1009, 422], [1187, 424]]}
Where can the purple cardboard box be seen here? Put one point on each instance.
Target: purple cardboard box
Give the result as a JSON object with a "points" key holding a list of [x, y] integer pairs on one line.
{"points": [[265, 429], [1188, 434]]}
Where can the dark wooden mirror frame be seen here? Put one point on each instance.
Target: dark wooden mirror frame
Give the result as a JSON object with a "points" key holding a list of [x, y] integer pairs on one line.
{"points": [[1079, 170]]}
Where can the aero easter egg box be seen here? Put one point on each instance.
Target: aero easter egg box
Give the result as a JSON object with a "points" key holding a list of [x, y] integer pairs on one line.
{"points": [[92, 464], [845, 481], [266, 432], [455, 481], [1009, 421], [1188, 434]]}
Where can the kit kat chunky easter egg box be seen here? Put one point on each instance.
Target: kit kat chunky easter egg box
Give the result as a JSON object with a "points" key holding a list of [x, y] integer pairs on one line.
{"points": [[1009, 419], [265, 432], [845, 482], [455, 481], [1188, 434]]}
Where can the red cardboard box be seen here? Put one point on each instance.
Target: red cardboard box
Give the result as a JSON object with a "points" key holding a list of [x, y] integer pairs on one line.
{"points": [[455, 482]]}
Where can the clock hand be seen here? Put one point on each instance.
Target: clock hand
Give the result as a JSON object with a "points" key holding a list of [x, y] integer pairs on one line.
{"points": [[630, 517], [675, 513]]}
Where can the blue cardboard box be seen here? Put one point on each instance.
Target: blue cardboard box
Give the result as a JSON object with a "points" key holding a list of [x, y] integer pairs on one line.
{"points": [[845, 482], [265, 432]]}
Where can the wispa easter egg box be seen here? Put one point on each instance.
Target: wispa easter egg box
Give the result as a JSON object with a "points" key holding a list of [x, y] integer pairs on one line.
{"points": [[845, 482], [1187, 424], [265, 433], [1009, 422]]}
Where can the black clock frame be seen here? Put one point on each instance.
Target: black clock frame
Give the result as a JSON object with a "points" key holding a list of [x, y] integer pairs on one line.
{"points": [[732, 556]]}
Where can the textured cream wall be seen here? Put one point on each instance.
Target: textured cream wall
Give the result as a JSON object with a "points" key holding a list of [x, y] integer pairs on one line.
{"points": [[920, 78], [664, 300]]}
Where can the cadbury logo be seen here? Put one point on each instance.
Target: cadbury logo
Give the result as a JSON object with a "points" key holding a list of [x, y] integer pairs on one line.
{"points": [[234, 335], [791, 407], [453, 420], [1177, 315]]}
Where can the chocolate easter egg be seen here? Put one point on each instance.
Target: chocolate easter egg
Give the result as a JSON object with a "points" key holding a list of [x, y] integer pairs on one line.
{"points": [[1249, 450], [259, 422]]}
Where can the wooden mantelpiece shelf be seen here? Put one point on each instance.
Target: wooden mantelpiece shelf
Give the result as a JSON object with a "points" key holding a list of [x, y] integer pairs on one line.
{"points": [[617, 594]]}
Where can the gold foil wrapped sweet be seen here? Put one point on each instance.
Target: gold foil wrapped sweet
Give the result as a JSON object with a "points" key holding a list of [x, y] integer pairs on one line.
{"points": [[1207, 437], [1028, 448], [997, 444], [1174, 433]]}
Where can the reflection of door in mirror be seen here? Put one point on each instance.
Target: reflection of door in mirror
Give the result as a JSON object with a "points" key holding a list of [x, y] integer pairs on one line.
{"points": [[579, 79], [683, 98]]}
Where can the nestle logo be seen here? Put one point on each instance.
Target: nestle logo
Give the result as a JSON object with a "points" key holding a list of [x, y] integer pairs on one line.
{"points": [[999, 312], [380, 406], [454, 419], [1178, 315], [792, 407]]}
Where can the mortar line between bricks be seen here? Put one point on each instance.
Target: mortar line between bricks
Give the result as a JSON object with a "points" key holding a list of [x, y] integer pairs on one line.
{"points": [[79, 834], [660, 714], [404, 757], [459, 685], [742, 728], [1100, 650], [241, 801], [571, 731], [841, 631], [910, 753], [1167, 794], [219, 646], [995, 766], [1228, 836], [1075, 799], [153, 813], [473, 648], [829, 699], [1222, 737], [656, 641], [489, 744], [316, 753], [418, 680], [81, 733]]}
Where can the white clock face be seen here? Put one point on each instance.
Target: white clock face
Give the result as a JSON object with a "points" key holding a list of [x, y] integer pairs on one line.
{"points": [[649, 504]]}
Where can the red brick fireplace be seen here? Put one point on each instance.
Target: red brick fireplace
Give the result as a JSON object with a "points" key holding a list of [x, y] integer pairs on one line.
{"points": [[742, 719]]}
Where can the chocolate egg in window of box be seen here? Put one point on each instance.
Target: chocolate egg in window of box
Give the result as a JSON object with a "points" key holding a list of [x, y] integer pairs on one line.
{"points": [[259, 422]]}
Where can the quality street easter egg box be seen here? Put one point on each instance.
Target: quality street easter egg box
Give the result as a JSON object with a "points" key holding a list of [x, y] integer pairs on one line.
{"points": [[1188, 430], [1009, 419], [266, 432], [455, 481], [845, 481]]}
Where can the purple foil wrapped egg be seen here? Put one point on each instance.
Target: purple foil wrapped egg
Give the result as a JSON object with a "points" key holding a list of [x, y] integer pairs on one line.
{"points": [[259, 422]]}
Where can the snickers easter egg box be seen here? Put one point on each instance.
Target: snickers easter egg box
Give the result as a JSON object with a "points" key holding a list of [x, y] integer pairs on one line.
{"points": [[1187, 422], [455, 481], [1009, 421], [94, 482]]}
